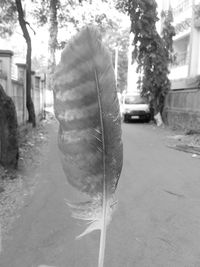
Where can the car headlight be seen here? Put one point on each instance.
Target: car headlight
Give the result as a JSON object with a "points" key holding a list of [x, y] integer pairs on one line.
{"points": [[147, 109], [127, 110]]}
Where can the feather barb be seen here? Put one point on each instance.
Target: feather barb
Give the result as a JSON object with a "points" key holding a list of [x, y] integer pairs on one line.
{"points": [[87, 108]]}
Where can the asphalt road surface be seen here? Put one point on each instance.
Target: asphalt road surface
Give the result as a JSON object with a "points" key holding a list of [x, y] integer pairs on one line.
{"points": [[156, 224]]}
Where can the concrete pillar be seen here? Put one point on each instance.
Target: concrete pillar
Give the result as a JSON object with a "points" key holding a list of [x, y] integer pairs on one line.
{"points": [[37, 81], [33, 93], [21, 73], [6, 64], [32, 84], [43, 93], [194, 53]]}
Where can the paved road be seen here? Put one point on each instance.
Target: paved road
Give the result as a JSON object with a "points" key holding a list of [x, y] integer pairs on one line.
{"points": [[157, 223]]}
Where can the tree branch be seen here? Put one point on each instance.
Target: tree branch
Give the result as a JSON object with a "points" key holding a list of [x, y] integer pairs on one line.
{"points": [[30, 27]]}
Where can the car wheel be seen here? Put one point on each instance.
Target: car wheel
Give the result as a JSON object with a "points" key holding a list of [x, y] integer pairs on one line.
{"points": [[125, 119], [147, 120]]}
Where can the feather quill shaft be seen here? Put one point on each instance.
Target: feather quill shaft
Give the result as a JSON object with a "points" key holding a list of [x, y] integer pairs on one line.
{"points": [[104, 226], [87, 108]]}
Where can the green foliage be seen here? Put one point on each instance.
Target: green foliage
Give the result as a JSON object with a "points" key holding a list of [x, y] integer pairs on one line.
{"points": [[72, 16], [8, 17], [8, 131], [40, 11], [151, 52], [168, 32]]}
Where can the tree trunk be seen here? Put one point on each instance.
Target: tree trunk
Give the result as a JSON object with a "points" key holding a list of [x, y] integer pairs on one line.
{"points": [[157, 112], [53, 32], [29, 102]]}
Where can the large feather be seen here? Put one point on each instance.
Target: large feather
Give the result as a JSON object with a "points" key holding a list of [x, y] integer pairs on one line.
{"points": [[87, 108]]}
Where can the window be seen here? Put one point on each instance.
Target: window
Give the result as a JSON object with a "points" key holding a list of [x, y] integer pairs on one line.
{"points": [[135, 100]]}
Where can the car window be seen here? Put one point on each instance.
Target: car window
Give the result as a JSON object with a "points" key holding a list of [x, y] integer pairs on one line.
{"points": [[135, 100]]}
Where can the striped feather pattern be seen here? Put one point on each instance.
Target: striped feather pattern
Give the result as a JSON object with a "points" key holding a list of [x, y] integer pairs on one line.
{"points": [[77, 110], [89, 138]]}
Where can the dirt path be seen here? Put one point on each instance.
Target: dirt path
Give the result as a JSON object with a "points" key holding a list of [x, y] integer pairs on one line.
{"points": [[45, 233]]}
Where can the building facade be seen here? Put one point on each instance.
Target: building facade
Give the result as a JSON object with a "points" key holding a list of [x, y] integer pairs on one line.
{"points": [[182, 107], [187, 39]]}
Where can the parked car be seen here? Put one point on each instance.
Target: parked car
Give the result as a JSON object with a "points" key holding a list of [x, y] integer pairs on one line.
{"points": [[135, 107]]}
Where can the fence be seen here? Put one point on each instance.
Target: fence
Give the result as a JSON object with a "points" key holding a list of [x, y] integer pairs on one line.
{"points": [[14, 84], [182, 106]]}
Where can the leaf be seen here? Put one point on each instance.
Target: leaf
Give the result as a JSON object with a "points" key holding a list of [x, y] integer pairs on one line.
{"points": [[87, 108]]}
